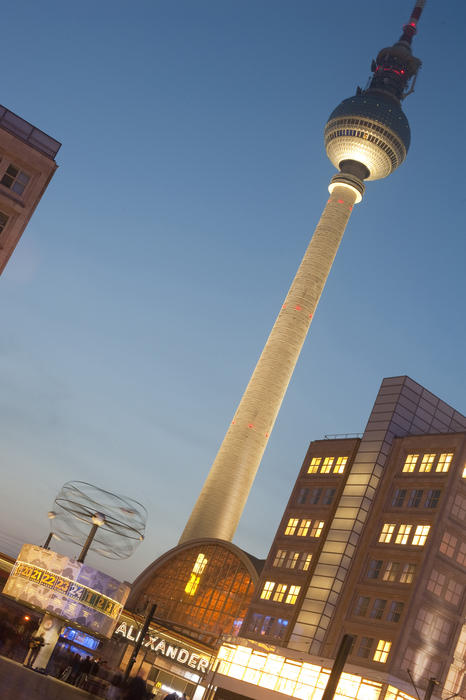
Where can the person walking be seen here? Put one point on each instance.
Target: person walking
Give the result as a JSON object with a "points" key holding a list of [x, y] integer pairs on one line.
{"points": [[136, 689], [84, 668]]}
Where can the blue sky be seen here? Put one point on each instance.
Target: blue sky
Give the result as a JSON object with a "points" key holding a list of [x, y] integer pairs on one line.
{"points": [[191, 176]]}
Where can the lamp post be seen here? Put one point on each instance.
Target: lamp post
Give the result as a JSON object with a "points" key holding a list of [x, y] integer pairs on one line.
{"points": [[51, 514], [98, 519]]}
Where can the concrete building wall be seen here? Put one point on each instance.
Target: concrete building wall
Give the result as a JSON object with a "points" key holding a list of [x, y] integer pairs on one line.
{"points": [[27, 164]]}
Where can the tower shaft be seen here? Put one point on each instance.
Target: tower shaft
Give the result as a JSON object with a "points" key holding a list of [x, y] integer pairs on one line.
{"points": [[226, 489]]}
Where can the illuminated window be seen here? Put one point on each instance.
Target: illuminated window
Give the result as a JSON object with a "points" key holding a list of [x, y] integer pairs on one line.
{"points": [[200, 564], [267, 590], [315, 496], [382, 651], [448, 544], [302, 496], [410, 463], [291, 560], [373, 569], [403, 534], [317, 528], [193, 583], [292, 595], [279, 557], [279, 592], [415, 498], [314, 465], [378, 608], [291, 527], [433, 497], [361, 606], [398, 497], [327, 465], [15, 179], [426, 463], [304, 528], [420, 535], [464, 472], [340, 465], [305, 562], [365, 647], [395, 611], [3, 221], [387, 532], [195, 575], [444, 461], [407, 574], [328, 497], [392, 571]]}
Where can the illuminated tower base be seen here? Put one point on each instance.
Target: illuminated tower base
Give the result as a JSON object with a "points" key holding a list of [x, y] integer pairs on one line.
{"points": [[223, 497]]}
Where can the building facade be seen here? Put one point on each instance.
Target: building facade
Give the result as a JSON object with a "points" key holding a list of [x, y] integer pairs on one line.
{"points": [[27, 164], [372, 544]]}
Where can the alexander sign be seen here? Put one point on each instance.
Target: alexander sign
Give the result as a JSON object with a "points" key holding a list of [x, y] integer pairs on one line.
{"points": [[162, 647]]}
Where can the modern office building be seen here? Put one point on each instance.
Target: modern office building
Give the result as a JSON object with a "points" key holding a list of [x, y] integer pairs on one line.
{"points": [[366, 137], [27, 164], [372, 544]]}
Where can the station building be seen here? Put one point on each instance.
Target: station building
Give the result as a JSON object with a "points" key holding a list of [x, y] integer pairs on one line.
{"points": [[372, 544]]}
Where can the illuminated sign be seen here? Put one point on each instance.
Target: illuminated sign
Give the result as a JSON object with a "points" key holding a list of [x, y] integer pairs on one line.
{"points": [[181, 655], [82, 594], [67, 588], [85, 640]]}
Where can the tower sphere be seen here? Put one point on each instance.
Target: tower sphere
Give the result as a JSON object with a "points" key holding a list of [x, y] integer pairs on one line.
{"points": [[369, 128]]}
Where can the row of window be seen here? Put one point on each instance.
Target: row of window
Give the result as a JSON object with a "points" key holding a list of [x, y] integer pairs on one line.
{"points": [[368, 137], [427, 462], [314, 496], [327, 465], [292, 560], [376, 607], [405, 534], [453, 548], [369, 125], [392, 571], [304, 527], [280, 592], [366, 648], [267, 625], [416, 498]]}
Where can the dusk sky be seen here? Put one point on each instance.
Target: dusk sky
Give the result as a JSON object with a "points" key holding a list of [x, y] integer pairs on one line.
{"points": [[192, 174]]}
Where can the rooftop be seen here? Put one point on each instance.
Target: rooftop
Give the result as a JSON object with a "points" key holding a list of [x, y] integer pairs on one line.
{"points": [[28, 133]]}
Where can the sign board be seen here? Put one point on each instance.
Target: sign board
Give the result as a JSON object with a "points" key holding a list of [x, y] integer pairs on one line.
{"points": [[163, 647]]}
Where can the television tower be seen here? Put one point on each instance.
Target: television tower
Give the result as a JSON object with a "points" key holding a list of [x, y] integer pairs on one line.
{"points": [[366, 138]]}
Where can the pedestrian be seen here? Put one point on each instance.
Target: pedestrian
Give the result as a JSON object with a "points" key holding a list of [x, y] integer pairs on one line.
{"points": [[36, 643], [75, 664], [84, 668], [136, 689], [115, 689]]}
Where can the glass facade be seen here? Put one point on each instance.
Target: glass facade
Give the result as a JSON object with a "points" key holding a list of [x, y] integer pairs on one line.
{"points": [[206, 589]]}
